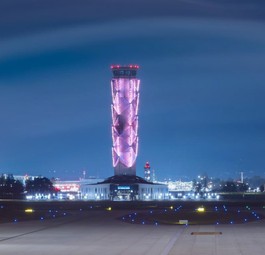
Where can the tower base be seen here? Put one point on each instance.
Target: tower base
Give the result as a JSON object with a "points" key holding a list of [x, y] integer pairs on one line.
{"points": [[125, 188]]}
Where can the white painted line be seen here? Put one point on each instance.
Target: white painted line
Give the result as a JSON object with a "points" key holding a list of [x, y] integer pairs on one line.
{"points": [[172, 242]]}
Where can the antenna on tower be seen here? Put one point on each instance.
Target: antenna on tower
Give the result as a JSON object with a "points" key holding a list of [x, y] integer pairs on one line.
{"points": [[147, 172], [154, 176], [242, 177]]}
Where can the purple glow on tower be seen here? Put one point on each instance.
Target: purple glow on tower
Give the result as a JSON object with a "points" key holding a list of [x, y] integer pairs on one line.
{"points": [[124, 108]]}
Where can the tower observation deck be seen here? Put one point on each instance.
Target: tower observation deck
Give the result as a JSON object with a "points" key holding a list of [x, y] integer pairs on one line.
{"points": [[129, 71], [124, 108]]}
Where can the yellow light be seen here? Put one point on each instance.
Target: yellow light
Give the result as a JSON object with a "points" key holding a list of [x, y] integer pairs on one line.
{"points": [[171, 207], [108, 209], [29, 210], [201, 209]]}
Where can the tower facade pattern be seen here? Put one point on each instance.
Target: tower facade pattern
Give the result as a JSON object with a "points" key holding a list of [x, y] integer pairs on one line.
{"points": [[125, 103]]}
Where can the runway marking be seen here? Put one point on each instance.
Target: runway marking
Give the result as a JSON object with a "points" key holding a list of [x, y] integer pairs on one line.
{"points": [[206, 233], [172, 242], [56, 225], [23, 234]]}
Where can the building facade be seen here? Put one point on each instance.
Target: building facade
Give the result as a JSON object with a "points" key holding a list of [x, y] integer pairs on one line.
{"points": [[124, 188]]}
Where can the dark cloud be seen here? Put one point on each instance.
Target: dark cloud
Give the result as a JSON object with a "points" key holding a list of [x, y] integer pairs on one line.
{"points": [[202, 84], [17, 17]]}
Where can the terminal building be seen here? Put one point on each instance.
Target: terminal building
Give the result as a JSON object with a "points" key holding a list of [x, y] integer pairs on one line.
{"points": [[125, 184]]}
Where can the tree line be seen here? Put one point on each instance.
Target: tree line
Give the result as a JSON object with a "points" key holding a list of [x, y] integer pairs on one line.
{"points": [[10, 188]]}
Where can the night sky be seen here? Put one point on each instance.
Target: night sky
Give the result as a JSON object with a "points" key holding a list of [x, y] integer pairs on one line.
{"points": [[202, 71]]}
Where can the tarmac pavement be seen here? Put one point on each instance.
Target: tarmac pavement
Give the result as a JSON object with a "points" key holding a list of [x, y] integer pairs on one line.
{"points": [[100, 232]]}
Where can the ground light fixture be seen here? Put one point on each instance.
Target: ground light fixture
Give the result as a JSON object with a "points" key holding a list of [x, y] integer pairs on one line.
{"points": [[200, 209], [29, 210]]}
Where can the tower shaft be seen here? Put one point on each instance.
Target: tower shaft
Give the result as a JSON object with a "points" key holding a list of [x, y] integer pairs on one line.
{"points": [[125, 100]]}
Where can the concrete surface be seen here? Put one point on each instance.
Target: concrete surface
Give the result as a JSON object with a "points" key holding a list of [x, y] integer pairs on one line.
{"points": [[99, 232]]}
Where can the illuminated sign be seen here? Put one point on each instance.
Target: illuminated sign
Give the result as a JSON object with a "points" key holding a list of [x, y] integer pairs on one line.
{"points": [[69, 187], [123, 187]]}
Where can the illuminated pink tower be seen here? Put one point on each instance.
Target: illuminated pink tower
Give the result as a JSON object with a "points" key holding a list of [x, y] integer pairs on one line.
{"points": [[125, 100]]}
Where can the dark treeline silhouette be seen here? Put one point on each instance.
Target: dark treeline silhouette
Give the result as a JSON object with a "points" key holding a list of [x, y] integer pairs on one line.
{"points": [[10, 188], [41, 185], [230, 186]]}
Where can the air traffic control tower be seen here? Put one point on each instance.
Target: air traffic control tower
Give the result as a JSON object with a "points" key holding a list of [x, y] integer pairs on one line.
{"points": [[124, 185], [124, 108]]}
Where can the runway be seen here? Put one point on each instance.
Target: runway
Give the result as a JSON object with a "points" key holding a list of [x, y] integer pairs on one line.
{"points": [[101, 232]]}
